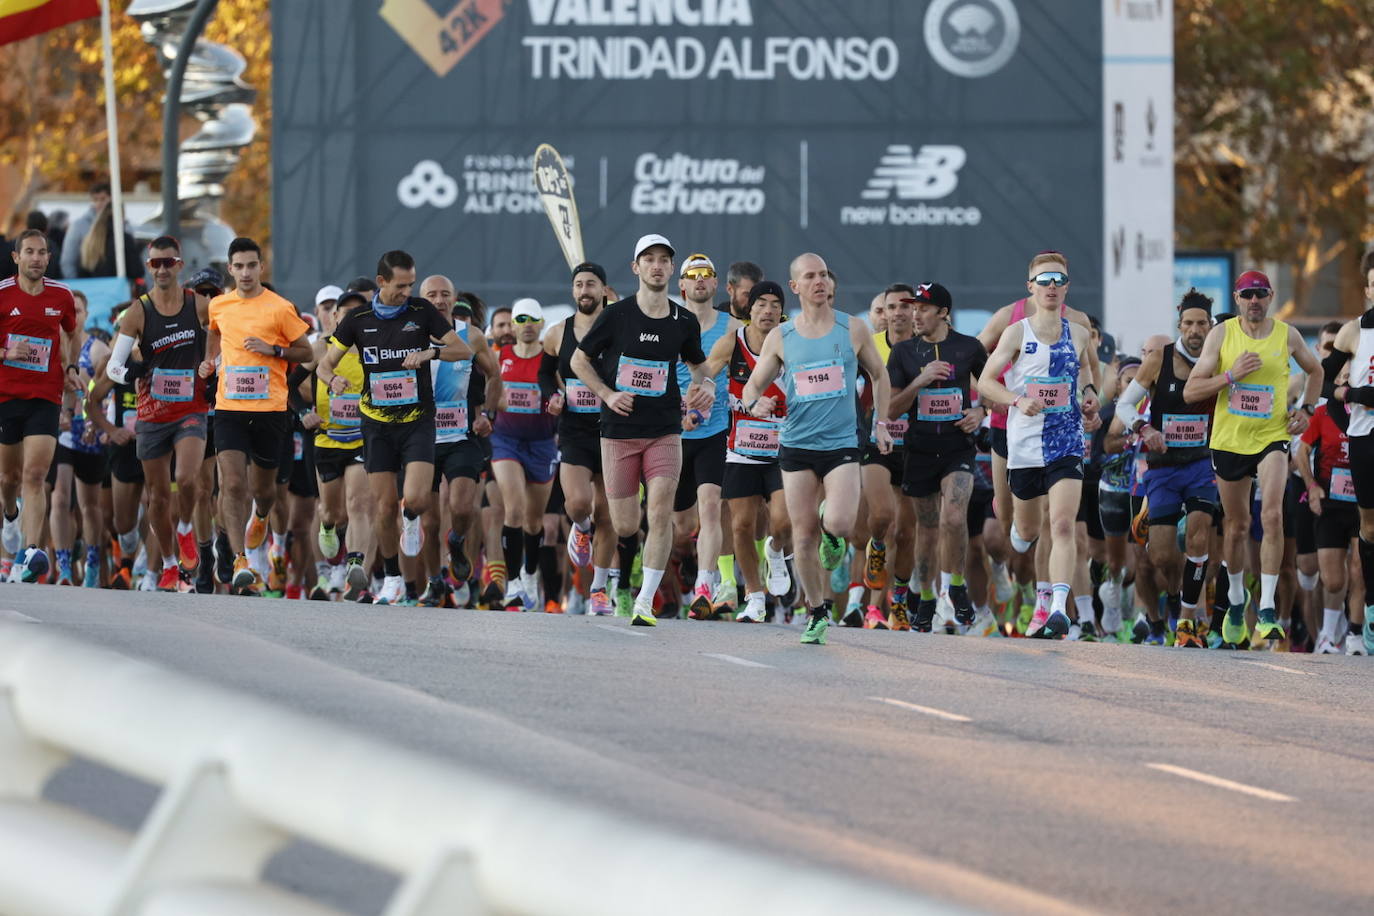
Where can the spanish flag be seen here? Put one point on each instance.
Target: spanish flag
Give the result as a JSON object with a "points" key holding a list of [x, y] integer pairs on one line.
{"points": [[26, 18]]}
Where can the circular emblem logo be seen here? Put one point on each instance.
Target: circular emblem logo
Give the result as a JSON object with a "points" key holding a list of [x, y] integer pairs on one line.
{"points": [[972, 37]]}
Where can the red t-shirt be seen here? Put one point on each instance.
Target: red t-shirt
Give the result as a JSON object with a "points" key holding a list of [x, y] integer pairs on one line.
{"points": [[39, 321], [1331, 445]]}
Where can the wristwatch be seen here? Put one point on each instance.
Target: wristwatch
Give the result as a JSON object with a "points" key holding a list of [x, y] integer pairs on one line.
{"points": [[438, 351], [1310, 408], [277, 351]]}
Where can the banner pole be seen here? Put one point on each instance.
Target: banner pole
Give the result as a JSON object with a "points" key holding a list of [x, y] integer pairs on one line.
{"points": [[112, 131]]}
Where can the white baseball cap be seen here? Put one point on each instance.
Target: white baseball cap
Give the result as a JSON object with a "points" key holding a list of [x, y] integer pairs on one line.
{"points": [[693, 262], [648, 241], [526, 307], [328, 293]]}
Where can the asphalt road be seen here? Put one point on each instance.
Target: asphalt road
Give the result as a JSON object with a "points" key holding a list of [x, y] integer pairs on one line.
{"points": [[1012, 776]]}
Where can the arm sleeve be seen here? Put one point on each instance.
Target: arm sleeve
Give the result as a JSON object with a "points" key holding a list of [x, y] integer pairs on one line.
{"points": [[1332, 366], [1127, 406]]}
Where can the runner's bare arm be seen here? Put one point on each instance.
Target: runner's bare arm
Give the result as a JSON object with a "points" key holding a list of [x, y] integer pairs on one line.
{"points": [[299, 351], [766, 369], [989, 388], [867, 352], [1307, 361], [485, 360], [553, 337], [212, 345], [992, 331], [328, 363], [719, 355], [582, 367], [1203, 382]]}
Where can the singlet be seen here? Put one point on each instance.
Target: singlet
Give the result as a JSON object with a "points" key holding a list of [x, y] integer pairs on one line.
{"points": [[173, 347], [452, 383], [1049, 372], [341, 422], [581, 416], [524, 417], [1361, 374], [75, 437], [819, 379], [716, 418], [751, 440], [123, 410], [1253, 412], [1185, 426]]}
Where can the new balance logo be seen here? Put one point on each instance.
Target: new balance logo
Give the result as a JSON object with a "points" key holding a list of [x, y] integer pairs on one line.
{"points": [[926, 174]]}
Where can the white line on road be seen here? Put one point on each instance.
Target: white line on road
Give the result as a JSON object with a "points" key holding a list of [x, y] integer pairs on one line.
{"points": [[926, 710], [1221, 783], [1246, 661], [736, 660], [22, 618], [621, 630]]}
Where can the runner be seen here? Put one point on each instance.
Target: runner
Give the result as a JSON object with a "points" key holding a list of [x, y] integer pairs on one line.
{"points": [[591, 540], [1049, 397], [628, 359], [1331, 493], [819, 355], [80, 467], [933, 376], [393, 335], [1179, 477], [167, 323], [1245, 361], [752, 475], [35, 368]]}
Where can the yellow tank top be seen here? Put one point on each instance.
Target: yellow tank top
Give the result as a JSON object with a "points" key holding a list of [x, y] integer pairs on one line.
{"points": [[1253, 412], [341, 426]]}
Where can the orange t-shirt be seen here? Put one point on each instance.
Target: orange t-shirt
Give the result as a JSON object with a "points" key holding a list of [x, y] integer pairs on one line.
{"points": [[247, 380]]}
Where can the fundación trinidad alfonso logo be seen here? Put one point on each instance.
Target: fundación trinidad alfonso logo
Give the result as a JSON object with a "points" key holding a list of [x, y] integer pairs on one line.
{"points": [[972, 38], [443, 40]]}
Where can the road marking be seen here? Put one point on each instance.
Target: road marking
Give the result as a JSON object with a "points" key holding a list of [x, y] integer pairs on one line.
{"points": [[1246, 661], [621, 630], [22, 618], [736, 660], [925, 710], [1221, 783]]}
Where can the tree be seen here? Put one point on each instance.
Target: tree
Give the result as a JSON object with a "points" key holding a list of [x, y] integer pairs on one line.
{"points": [[1272, 123]]}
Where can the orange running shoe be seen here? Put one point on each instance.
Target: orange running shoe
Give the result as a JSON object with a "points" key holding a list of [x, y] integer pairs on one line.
{"points": [[552, 607], [256, 532], [170, 580], [244, 577], [123, 576], [189, 549]]}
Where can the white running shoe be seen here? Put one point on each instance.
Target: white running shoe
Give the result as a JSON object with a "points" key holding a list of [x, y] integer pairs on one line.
{"points": [[944, 615], [529, 588], [338, 578], [1354, 644], [392, 591], [1111, 615], [1001, 582], [1075, 631], [412, 536], [984, 624], [779, 579], [258, 559], [12, 535], [462, 596], [1327, 646], [754, 609]]}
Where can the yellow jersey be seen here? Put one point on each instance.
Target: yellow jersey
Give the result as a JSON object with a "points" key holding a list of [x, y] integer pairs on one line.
{"points": [[341, 421], [1252, 412]]}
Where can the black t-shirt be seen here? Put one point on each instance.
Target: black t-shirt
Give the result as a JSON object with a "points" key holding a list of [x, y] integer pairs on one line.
{"points": [[939, 399], [391, 393], [633, 352]]}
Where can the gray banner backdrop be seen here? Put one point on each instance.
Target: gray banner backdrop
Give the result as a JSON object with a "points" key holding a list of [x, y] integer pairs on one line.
{"points": [[945, 140]]}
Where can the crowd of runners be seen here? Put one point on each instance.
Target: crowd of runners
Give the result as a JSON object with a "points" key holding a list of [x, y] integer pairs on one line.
{"points": [[660, 455]]}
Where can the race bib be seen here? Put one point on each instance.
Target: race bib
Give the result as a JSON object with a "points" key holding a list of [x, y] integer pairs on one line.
{"points": [[393, 389], [343, 410], [818, 381], [1251, 400], [1053, 390], [756, 438], [1141, 466], [130, 420], [642, 376], [523, 397], [173, 384], [1342, 485], [897, 430], [582, 399], [299, 445], [939, 405], [451, 417], [1185, 430], [246, 383], [40, 352]]}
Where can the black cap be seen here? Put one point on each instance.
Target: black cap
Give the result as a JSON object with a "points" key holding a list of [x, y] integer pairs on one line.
{"points": [[351, 294], [362, 284], [764, 288], [588, 267], [206, 276], [933, 293]]}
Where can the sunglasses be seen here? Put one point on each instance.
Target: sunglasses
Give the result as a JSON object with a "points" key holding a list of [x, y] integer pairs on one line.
{"points": [[525, 319], [163, 263], [1051, 278], [1260, 293], [699, 273]]}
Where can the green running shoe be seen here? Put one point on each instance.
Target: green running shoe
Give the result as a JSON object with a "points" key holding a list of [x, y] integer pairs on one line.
{"points": [[641, 619], [816, 625], [1023, 618], [1233, 630], [624, 602], [833, 550], [1267, 625]]}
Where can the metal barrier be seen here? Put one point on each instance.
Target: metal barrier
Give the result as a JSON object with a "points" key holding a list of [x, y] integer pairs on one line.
{"points": [[241, 778]]}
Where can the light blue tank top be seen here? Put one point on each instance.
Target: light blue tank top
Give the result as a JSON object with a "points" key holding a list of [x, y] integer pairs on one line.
{"points": [[451, 395], [819, 378], [719, 418]]}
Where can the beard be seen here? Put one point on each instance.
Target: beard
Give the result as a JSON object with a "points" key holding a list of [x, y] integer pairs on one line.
{"points": [[587, 306]]}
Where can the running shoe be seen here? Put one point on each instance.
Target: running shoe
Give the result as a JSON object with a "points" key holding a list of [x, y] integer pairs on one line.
{"points": [[276, 566], [817, 622], [700, 608], [788, 599], [91, 578], [122, 579], [338, 578], [436, 592], [1037, 623], [170, 579], [1001, 583], [393, 591], [1140, 630], [1159, 634], [412, 534], [779, 579], [624, 602], [328, 540], [579, 546], [513, 600], [35, 565], [875, 565], [924, 620], [458, 562], [1326, 646], [188, 549], [243, 576], [353, 592], [832, 550], [599, 603], [294, 592], [753, 610], [12, 535], [1087, 632], [529, 588], [897, 618], [853, 616], [1112, 598], [874, 619], [321, 590], [1023, 618], [460, 596], [1361, 643], [643, 614], [1267, 626], [1233, 629], [256, 533], [1056, 626], [64, 568], [963, 607], [1186, 636], [984, 624], [224, 561], [723, 601]]}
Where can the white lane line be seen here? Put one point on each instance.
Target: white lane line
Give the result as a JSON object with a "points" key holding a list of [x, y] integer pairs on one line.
{"points": [[621, 630], [1246, 661], [22, 618], [925, 710], [736, 660], [1221, 783]]}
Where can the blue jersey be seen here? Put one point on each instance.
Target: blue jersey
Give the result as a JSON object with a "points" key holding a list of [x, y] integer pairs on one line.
{"points": [[717, 416], [819, 378]]}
